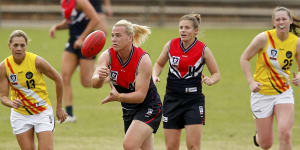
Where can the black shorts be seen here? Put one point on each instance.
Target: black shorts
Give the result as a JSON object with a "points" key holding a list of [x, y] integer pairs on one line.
{"points": [[150, 116], [77, 52], [179, 111]]}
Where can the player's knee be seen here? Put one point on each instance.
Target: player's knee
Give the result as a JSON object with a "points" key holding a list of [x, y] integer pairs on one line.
{"points": [[28, 147], [66, 78], [129, 146], [48, 147], [285, 136], [86, 83], [265, 144], [172, 147], [193, 147]]}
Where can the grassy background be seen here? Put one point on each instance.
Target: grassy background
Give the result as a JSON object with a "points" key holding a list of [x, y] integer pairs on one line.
{"points": [[229, 123]]}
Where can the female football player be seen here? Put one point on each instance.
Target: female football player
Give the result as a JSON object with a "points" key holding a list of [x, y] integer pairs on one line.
{"points": [[128, 68], [81, 18], [271, 92], [184, 105], [22, 75]]}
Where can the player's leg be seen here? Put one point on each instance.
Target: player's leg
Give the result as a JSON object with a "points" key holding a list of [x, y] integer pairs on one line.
{"points": [[137, 133], [284, 114], [86, 71], [264, 128], [148, 143], [193, 136], [172, 138], [45, 140], [262, 108], [69, 64], [26, 140]]}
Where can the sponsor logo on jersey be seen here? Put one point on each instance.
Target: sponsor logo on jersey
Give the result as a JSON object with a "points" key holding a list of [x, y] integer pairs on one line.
{"points": [[29, 75], [289, 54]]}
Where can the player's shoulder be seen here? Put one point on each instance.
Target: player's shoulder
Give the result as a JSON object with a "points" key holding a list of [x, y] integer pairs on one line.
{"points": [[2, 67]]}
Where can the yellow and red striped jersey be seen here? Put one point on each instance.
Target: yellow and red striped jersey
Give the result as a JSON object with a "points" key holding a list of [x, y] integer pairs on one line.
{"points": [[274, 62], [27, 84]]}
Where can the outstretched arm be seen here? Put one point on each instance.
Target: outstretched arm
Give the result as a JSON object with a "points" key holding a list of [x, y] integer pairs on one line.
{"points": [[45, 68]]}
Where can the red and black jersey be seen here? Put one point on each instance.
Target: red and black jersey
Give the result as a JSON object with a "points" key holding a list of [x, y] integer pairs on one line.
{"points": [[185, 65], [123, 75]]}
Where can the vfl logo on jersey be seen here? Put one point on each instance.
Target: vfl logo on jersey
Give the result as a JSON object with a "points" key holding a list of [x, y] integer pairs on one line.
{"points": [[29, 75], [175, 60], [289, 54], [273, 54], [114, 75], [13, 79]]}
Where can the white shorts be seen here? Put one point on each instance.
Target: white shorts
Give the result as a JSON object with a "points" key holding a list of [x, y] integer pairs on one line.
{"points": [[40, 122], [262, 105]]}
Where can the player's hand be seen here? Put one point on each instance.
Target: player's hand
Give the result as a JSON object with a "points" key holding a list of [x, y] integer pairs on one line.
{"points": [[78, 43], [255, 86], [296, 79], [114, 95], [61, 114], [156, 79], [16, 103], [102, 72], [207, 80], [52, 31]]}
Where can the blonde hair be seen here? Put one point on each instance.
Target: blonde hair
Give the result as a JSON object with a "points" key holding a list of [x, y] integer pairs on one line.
{"points": [[195, 18], [139, 32], [296, 20], [18, 33]]}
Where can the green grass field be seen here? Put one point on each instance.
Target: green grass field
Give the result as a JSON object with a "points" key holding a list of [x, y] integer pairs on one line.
{"points": [[229, 123]]}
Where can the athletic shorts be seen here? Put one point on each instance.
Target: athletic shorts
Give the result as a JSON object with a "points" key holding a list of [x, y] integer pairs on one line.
{"points": [[179, 111], [262, 105], [77, 52], [150, 116], [43, 121]]}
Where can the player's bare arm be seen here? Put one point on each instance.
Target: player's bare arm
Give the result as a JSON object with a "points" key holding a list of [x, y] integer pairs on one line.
{"points": [[101, 73], [160, 63], [44, 67], [212, 67]]}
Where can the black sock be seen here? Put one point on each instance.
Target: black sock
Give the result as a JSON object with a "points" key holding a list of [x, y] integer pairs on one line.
{"points": [[69, 110]]}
